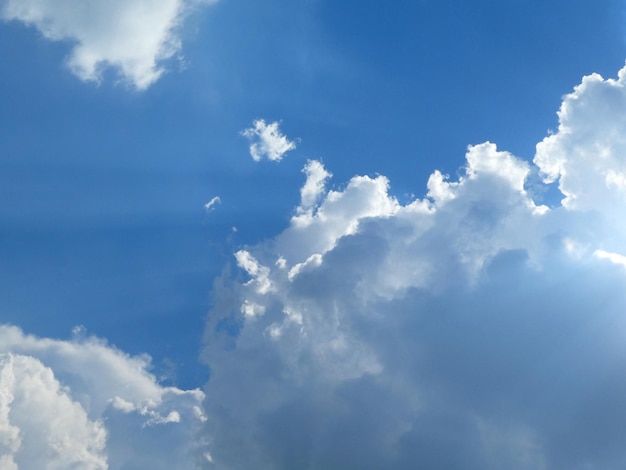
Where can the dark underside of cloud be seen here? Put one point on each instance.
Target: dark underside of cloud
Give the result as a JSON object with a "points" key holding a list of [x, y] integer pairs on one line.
{"points": [[473, 329], [524, 371]]}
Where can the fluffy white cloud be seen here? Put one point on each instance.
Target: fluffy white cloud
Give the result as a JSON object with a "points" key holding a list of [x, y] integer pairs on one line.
{"points": [[133, 36], [266, 141], [475, 328], [83, 404], [42, 426], [586, 155]]}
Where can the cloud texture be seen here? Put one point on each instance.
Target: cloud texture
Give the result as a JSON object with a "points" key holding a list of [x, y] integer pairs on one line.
{"points": [[266, 141], [134, 37], [476, 328], [479, 327], [83, 404]]}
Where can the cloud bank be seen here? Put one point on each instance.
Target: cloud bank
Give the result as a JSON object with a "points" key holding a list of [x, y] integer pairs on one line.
{"points": [[135, 37], [475, 328], [266, 141], [83, 404]]}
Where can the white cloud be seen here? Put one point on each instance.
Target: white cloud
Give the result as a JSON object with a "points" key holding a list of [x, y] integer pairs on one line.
{"points": [[209, 206], [84, 404], [614, 258], [471, 329], [586, 155], [44, 427], [313, 189], [134, 37], [266, 141], [260, 274], [316, 226]]}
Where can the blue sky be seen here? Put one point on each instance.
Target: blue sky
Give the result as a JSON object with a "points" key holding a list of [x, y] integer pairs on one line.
{"points": [[299, 307]]}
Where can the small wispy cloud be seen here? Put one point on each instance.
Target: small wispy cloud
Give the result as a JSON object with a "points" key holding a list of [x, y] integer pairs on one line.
{"points": [[614, 258], [209, 206], [266, 141]]}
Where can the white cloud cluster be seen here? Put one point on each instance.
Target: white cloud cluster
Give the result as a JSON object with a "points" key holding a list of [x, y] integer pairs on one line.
{"points": [[266, 141], [83, 404], [133, 36], [475, 328]]}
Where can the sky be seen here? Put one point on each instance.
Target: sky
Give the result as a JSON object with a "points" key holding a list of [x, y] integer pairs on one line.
{"points": [[310, 234]]}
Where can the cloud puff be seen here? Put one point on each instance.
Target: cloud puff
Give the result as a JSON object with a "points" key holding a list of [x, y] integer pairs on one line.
{"points": [[266, 141], [474, 328], [133, 36], [84, 404]]}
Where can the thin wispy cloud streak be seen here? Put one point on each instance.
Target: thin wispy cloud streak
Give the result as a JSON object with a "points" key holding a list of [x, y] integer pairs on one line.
{"points": [[210, 206]]}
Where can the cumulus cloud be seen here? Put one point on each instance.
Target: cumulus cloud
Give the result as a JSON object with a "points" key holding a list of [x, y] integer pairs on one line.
{"points": [[84, 404], [474, 328], [41, 424], [586, 155], [266, 141], [135, 37]]}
